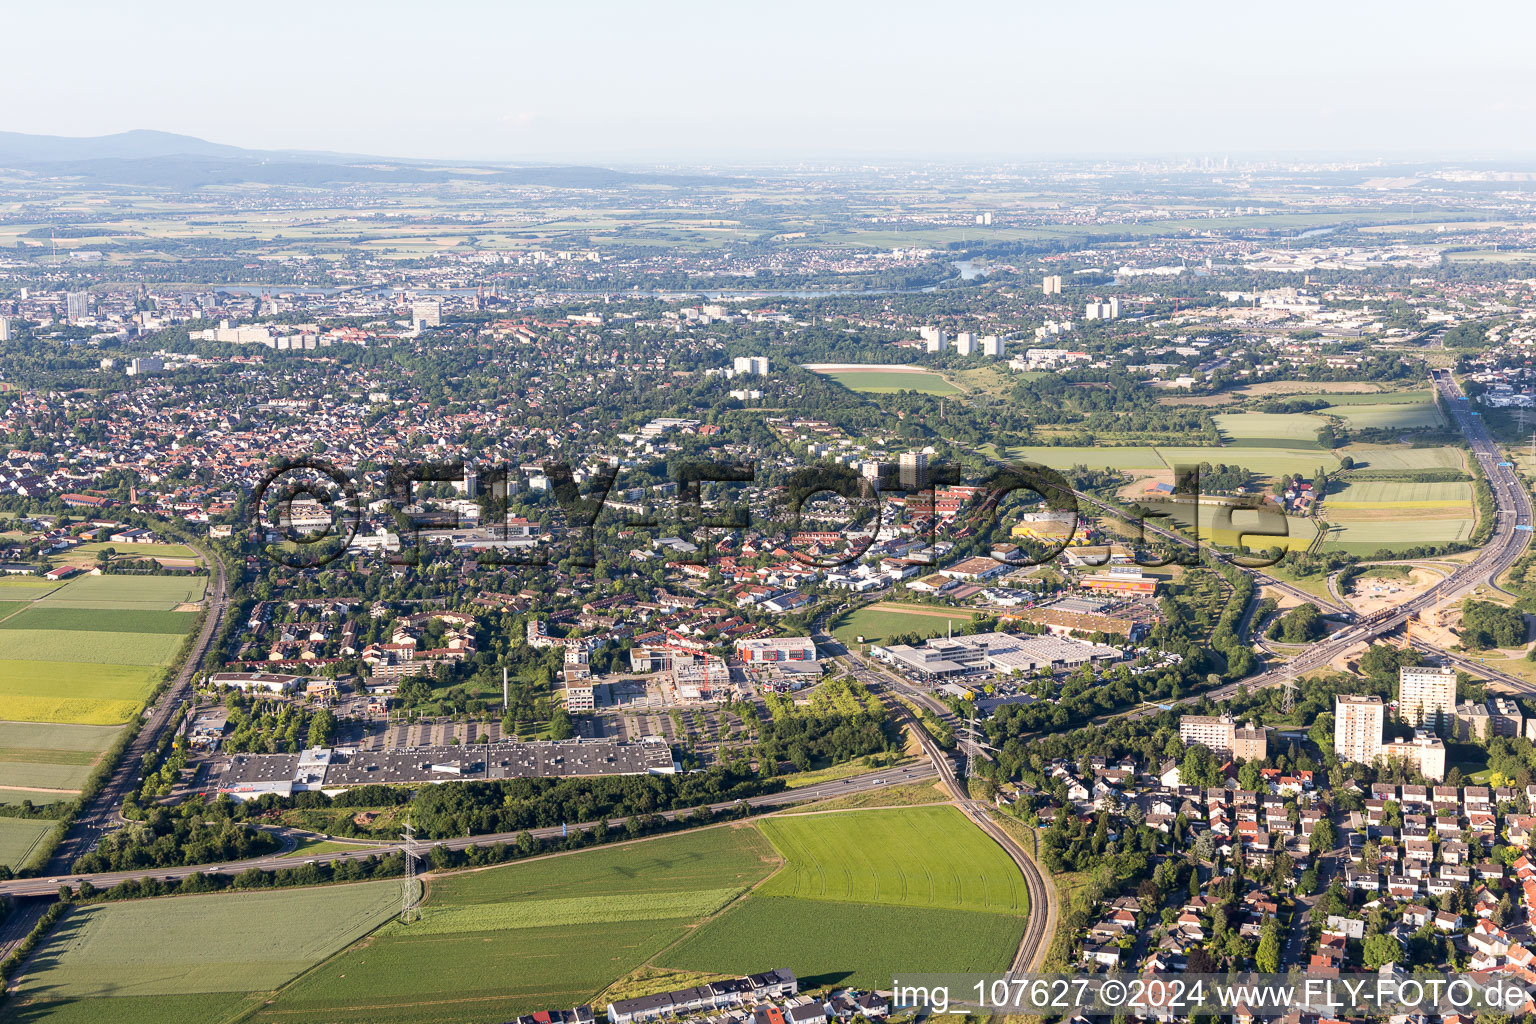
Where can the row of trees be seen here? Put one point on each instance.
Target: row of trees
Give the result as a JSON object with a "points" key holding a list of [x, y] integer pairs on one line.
{"points": [[193, 832]]}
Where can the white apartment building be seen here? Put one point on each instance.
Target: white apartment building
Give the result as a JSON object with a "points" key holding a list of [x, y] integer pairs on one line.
{"points": [[1357, 725], [1222, 734], [426, 313], [1426, 694], [914, 469], [77, 305], [1357, 736]]}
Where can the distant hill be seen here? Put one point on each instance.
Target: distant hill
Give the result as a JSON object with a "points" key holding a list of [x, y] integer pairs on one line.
{"points": [[167, 160], [17, 148]]}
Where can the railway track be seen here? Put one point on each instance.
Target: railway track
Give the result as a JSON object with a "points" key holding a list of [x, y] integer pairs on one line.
{"points": [[1044, 908]]}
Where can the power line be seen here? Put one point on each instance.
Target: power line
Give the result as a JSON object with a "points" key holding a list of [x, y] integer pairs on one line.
{"points": [[409, 905], [972, 751]]}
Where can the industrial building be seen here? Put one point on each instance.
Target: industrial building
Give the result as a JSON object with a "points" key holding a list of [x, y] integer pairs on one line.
{"points": [[997, 653], [331, 770], [776, 648]]}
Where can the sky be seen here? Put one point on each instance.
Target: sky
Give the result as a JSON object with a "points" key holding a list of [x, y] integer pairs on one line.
{"points": [[721, 82]]}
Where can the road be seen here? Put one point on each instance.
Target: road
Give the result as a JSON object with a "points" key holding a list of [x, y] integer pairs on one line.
{"points": [[18, 925], [1508, 542], [102, 814], [1043, 908], [1043, 911], [821, 791], [1263, 578], [1478, 668]]}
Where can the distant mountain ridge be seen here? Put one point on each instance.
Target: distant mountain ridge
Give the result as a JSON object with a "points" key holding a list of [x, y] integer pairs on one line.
{"points": [[20, 148], [165, 159]]}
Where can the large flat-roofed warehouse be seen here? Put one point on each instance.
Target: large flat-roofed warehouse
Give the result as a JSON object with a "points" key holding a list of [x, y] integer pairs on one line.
{"points": [[248, 776], [995, 652]]}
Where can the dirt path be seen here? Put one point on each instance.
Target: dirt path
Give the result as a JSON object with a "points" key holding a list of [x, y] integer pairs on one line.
{"points": [[917, 609]]}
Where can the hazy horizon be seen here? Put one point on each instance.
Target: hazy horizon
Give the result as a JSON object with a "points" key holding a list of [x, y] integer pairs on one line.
{"points": [[698, 84]]}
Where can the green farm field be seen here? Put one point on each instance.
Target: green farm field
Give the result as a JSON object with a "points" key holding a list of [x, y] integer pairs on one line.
{"points": [[225, 942], [39, 797], [886, 382], [25, 588], [44, 775], [861, 897], [1269, 461], [19, 837], [99, 648], [1376, 493], [198, 1008], [877, 624], [9, 608], [148, 593], [829, 944], [551, 932], [1419, 396], [471, 976], [70, 676], [107, 620], [558, 931], [1376, 457], [1396, 531], [1396, 416], [73, 693], [1270, 429], [83, 740], [921, 857]]}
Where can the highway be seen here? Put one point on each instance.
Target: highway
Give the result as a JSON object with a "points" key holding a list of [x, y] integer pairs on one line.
{"points": [[103, 812], [1478, 668], [1178, 538], [1509, 540], [1505, 545], [49, 885]]}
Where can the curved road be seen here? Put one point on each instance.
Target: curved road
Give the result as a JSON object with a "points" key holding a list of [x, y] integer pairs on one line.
{"points": [[1043, 910], [1508, 542], [1510, 537]]}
